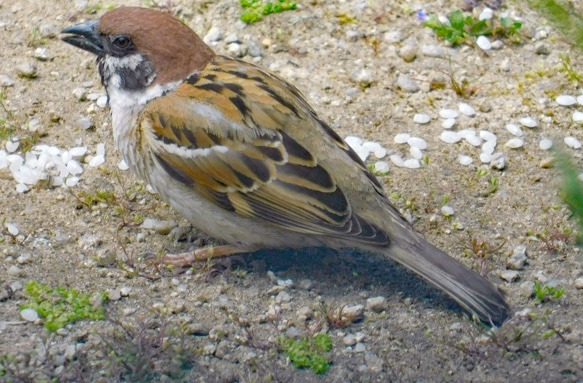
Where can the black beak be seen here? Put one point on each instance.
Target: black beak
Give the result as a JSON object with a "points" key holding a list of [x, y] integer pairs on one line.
{"points": [[85, 36]]}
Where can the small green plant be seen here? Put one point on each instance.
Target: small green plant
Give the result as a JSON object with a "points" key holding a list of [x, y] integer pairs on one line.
{"points": [[36, 39], [61, 306], [256, 9], [545, 293], [461, 28], [309, 352], [568, 68], [572, 187], [563, 17]]}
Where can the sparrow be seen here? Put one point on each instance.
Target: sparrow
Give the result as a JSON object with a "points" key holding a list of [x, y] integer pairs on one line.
{"points": [[239, 152]]}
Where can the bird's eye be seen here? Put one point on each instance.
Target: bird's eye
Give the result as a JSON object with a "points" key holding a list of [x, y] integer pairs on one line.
{"points": [[122, 42]]}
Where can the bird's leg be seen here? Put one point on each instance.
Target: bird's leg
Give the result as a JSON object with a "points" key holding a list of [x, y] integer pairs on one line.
{"points": [[199, 255]]}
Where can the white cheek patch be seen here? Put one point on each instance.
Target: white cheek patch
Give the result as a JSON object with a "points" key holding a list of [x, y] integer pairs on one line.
{"points": [[130, 62]]}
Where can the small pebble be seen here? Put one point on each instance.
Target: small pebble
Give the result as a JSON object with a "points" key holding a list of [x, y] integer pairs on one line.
{"points": [[485, 157], [406, 84], [26, 69], [579, 283], [381, 153], [486, 14], [498, 161], [466, 160], [421, 118], [416, 152], [488, 136], [528, 122], [518, 258], [447, 210], [158, 225], [402, 138], [97, 161], [526, 289], [102, 101], [566, 100], [572, 142], [412, 163], [376, 304], [577, 116], [448, 123], [381, 167], [473, 140], [547, 163], [417, 142], [514, 130], [353, 141], [12, 228], [29, 315], [214, 34], [449, 137], [580, 99], [515, 143], [362, 77], [448, 113], [6, 80], [353, 312], [41, 54], [545, 144], [509, 275], [433, 51], [122, 165], [397, 160], [483, 43], [467, 109], [408, 52]]}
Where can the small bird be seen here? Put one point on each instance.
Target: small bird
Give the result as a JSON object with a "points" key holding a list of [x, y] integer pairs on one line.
{"points": [[239, 152]]}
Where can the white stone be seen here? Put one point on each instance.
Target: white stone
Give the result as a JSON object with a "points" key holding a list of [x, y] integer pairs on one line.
{"points": [[12, 228], [372, 146], [122, 165], [514, 130], [78, 152], [488, 136], [449, 137], [545, 144], [447, 210], [71, 181], [22, 188], [102, 101], [465, 160], [412, 163], [397, 160], [566, 100], [381, 167], [467, 109], [29, 315], [214, 34], [486, 14], [528, 122], [417, 142], [448, 113], [489, 147], [381, 153], [416, 152], [448, 123], [577, 116], [572, 142], [484, 43], [74, 167], [353, 141], [402, 138], [473, 140], [12, 146], [580, 99], [485, 158], [515, 143], [421, 118], [362, 153], [100, 149], [97, 161]]}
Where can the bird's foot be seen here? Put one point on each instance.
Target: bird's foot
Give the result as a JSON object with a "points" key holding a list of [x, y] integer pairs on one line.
{"points": [[199, 255]]}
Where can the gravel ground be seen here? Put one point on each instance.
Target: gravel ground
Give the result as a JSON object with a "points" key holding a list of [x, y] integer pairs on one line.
{"points": [[224, 322]]}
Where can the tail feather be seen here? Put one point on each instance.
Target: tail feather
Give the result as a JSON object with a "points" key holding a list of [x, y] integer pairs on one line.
{"points": [[468, 288]]}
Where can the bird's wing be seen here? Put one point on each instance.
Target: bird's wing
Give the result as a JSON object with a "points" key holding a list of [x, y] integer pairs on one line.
{"points": [[223, 133]]}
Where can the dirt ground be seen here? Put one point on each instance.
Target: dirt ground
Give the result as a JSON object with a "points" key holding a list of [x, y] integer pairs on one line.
{"points": [[225, 322]]}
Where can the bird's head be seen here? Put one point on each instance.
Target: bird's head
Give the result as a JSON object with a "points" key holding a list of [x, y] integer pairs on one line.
{"points": [[140, 47]]}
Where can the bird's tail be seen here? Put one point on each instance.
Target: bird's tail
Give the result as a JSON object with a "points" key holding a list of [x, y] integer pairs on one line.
{"points": [[468, 288]]}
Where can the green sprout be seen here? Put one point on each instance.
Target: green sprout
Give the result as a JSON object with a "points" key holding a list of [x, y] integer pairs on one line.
{"points": [[309, 352], [61, 306], [256, 9], [461, 28], [545, 293]]}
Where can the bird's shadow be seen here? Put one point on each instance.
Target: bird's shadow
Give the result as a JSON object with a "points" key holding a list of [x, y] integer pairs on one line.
{"points": [[338, 274]]}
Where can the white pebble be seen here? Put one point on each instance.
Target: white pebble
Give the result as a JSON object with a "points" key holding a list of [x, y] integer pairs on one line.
{"points": [[402, 138], [362, 152], [12, 146], [97, 161], [74, 167], [473, 140], [353, 141], [122, 165], [102, 102], [449, 137], [381, 153], [381, 167], [528, 122], [566, 100], [465, 160], [545, 144], [515, 143], [577, 116], [421, 118], [397, 160], [580, 99], [417, 142], [484, 43], [447, 210], [486, 14], [29, 315], [412, 163], [448, 123], [66, 156], [71, 181], [489, 147], [514, 130], [78, 152], [488, 136], [12, 228], [485, 158], [22, 188], [372, 146], [448, 113], [572, 142], [466, 132], [467, 109], [416, 152], [101, 149]]}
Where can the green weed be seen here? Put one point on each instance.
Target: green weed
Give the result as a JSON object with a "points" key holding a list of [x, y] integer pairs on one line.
{"points": [[544, 293], [309, 352], [256, 9]]}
